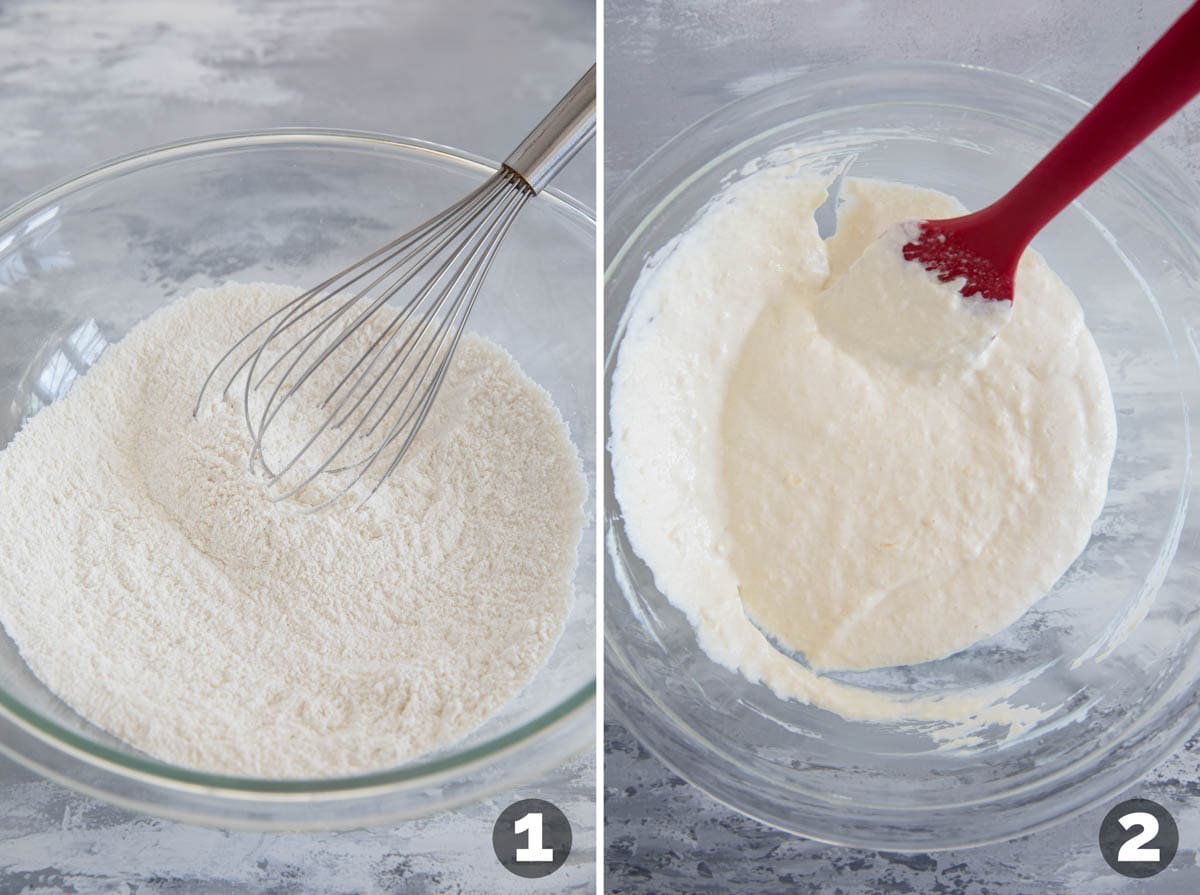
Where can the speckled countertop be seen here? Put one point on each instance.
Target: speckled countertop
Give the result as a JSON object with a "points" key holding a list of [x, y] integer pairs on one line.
{"points": [[81, 82], [669, 63]]}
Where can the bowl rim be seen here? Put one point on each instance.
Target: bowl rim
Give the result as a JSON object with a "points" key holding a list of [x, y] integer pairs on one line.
{"points": [[632, 213], [573, 708]]}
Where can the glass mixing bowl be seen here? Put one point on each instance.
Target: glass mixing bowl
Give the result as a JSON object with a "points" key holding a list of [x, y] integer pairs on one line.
{"points": [[1111, 654], [84, 261]]}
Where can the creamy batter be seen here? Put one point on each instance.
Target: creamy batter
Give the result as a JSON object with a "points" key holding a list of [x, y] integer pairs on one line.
{"points": [[790, 454]]}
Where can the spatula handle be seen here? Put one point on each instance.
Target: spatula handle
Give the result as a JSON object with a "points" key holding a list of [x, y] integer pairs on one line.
{"points": [[1157, 87]]}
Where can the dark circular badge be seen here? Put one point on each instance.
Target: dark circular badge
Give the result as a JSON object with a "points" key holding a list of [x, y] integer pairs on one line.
{"points": [[532, 838], [1139, 838]]}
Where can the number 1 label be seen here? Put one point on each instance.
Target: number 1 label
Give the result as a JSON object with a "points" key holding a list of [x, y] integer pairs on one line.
{"points": [[532, 838], [531, 825]]}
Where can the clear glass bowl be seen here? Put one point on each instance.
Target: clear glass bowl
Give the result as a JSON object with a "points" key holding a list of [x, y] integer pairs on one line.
{"points": [[82, 262], [1111, 653]]}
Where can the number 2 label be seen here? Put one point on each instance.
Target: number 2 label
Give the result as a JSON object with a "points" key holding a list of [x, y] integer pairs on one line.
{"points": [[1132, 850], [1138, 838], [531, 826]]}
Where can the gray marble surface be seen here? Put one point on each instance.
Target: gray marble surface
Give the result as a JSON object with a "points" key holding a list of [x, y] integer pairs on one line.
{"points": [[664, 836], [671, 62], [81, 82]]}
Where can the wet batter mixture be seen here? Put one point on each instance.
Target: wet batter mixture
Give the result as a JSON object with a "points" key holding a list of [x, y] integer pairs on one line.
{"points": [[815, 439]]}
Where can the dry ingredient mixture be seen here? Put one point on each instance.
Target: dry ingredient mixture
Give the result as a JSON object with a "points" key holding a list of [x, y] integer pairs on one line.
{"points": [[789, 455], [152, 586]]}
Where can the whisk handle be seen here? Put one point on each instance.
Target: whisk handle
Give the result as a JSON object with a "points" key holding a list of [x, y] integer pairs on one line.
{"points": [[559, 136]]}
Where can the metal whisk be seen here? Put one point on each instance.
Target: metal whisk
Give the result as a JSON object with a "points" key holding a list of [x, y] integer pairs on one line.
{"points": [[392, 322]]}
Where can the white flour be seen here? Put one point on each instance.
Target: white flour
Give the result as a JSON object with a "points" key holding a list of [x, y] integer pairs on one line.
{"points": [[151, 585]]}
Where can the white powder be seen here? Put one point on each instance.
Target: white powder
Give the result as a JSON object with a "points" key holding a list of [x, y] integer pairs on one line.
{"points": [[150, 583]]}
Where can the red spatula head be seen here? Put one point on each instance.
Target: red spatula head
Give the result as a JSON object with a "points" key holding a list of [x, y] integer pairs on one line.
{"points": [[964, 248], [983, 248]]}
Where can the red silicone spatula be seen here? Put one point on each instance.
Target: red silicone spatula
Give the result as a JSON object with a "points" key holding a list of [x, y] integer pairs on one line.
{"points": [[984, 247]]}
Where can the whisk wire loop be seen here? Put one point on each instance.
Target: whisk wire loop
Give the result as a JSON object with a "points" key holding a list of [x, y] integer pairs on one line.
{"points": [[376, 340], [388, 249], [429, 368], [431, 240], [427, 282], [402, 359]]}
